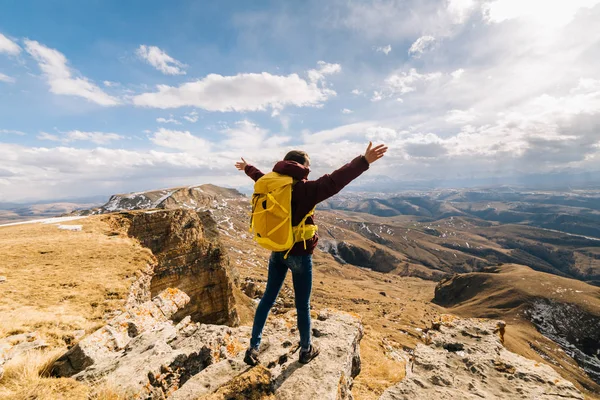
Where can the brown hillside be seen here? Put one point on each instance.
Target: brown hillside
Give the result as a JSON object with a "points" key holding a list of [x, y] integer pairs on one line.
{"points": [[537, 306]]}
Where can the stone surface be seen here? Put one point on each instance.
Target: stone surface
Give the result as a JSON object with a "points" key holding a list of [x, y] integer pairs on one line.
{"points": [[189, 257], [465, 359], [108, 341], [329, 376], [190, 360]]}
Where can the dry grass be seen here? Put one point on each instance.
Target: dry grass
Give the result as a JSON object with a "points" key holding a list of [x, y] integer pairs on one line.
{"points": [[26, 377], [378, 370], [59, 281]]}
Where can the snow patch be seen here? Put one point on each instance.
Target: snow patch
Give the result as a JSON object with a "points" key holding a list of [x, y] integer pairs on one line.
{"points": [[71, 227], [54, 220]]}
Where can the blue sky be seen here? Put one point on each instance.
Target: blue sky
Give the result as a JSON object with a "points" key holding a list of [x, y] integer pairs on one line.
{"points": [[100, 97]]}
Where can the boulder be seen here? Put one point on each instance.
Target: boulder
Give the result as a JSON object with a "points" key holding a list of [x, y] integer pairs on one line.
{"points": [[466, 359]]}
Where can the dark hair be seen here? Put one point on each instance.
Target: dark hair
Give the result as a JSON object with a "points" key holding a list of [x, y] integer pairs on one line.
{"points": [[297, 155]]}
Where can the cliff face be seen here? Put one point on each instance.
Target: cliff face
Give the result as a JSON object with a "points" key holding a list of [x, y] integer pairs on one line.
{"points": [[188, 257], [188, 278]]}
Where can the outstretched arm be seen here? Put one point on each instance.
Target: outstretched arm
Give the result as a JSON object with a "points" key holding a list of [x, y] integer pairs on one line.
{"points": [[250, 170], [330, 184]]}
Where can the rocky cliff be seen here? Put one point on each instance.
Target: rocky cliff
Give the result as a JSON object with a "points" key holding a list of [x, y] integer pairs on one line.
{"points": [[189, 257], [189, 269]]}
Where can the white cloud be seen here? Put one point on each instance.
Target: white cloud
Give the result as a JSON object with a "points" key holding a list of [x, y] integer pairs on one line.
{"points": [[12, 132], [346, 111], [53, 172], [242, 92], [338, 133], [461, 10], [6, 78], [111, 84], [170, 120], [377, 96], [285, 122], [244, 135], [8, 46], [548, 13], [421, 45], [403, 83], [59, 76], [94, 137], [48, 136], [460, 116], [180, 140], [76, 135], [191, 117], [528, 119], [384, 49], [457, 73], [160, 60], [318, 75], [426, 145]]}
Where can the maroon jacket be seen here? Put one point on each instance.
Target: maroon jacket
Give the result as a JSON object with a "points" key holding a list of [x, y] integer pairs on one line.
{"points": [[307, 194]]}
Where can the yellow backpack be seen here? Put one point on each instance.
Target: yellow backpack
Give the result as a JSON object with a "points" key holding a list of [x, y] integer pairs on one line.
{"points": [[271, 221]]}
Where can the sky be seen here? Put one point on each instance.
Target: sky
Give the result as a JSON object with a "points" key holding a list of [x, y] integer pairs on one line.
{"points": [[103, 96]]}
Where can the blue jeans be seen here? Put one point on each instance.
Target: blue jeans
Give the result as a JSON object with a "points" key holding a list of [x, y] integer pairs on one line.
{"points": [[301, 267]]}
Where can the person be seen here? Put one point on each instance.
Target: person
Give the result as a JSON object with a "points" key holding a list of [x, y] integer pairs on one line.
{"points": [[305, 196]]}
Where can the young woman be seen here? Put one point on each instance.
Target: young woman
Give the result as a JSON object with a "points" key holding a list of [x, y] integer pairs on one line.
{"points": [[305, 196]]}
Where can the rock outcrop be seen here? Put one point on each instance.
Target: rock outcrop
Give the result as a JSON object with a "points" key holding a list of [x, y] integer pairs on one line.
{"points": [[189, 257], [466, 359], [329, 376], [190, 360], [107, 342], [563, 310]]}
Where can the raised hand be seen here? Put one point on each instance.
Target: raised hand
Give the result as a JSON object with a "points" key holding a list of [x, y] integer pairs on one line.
{"points": [[375, 153], [241, 165]]}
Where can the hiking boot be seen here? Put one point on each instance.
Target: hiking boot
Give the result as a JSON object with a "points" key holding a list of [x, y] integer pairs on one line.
{"points": [[307, 355], [251, 357]]}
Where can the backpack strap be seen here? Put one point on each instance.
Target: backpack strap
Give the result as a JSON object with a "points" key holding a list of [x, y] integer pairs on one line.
{"points": [[305, 233]]}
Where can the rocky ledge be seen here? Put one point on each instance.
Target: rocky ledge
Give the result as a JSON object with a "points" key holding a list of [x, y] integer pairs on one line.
{"points": [[466, 359], [144, 354]]}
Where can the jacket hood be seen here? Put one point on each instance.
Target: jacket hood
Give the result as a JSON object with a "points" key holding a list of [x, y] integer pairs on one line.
{"points": [[291, 168]]}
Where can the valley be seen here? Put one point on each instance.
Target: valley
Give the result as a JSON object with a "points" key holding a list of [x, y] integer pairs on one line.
{"points": [[398, 272]]}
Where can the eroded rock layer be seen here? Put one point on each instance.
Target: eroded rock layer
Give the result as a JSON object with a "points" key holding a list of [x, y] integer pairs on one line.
{"points": [[189, 257]]}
